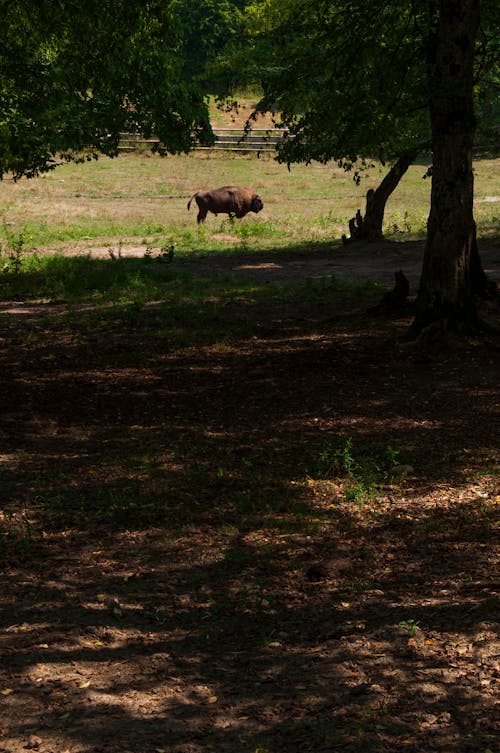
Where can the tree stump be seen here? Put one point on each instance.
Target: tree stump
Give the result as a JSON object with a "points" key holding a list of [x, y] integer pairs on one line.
{"points": [[395, 300]]}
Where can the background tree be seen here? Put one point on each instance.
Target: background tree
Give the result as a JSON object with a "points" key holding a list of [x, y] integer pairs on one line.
{"points": [[208, 27], [74, 74]]}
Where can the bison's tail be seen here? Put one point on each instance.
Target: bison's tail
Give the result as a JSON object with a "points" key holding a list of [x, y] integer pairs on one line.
{"points": [[191, 199]]}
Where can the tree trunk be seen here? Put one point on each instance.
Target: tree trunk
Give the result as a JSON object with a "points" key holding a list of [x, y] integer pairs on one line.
{"points": [[369, 227], [451, 269]]}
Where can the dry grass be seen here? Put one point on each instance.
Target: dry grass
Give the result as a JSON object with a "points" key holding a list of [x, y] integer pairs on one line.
{"points": [[140, 198]]}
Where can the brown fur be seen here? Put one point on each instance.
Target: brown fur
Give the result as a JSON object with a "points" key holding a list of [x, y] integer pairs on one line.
{"points": [[230, 200]]}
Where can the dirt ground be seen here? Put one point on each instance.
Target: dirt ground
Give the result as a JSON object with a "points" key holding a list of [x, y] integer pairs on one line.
{"points": [[377, 262], [183, 566]]}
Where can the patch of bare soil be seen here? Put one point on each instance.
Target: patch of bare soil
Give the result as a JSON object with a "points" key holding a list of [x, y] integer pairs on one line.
{"points": [[187, 564], [358, 262]]}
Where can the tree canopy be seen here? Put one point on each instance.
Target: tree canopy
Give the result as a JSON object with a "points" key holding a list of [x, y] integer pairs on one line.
{"points": [[74, 74], [349, 78], [342, 76], [208, 28]]}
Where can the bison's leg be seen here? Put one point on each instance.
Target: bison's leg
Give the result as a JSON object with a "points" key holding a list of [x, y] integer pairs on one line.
{"points": [[201, 215]]}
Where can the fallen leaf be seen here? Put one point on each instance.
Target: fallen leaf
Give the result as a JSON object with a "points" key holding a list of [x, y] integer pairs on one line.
{"points": [[212, 699], [84, 685], [6, 691]]}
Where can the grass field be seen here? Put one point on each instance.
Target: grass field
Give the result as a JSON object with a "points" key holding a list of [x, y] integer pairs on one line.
{"points": [[141, 199]]}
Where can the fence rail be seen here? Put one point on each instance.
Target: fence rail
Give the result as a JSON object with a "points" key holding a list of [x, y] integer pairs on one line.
{"points": [[228, 139]]}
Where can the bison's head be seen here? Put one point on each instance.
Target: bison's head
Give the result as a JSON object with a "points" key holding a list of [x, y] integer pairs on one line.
{"points": [[257, 203]]}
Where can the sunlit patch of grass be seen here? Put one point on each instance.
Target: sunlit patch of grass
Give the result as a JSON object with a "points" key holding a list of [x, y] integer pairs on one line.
{"points": [[408, 226], [142, 196]]}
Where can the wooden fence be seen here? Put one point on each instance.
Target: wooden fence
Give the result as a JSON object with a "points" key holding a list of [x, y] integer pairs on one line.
{"points": [[229, 139]]}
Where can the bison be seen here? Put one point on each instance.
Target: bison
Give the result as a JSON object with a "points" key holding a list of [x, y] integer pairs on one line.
{"points": [[230, 200]]}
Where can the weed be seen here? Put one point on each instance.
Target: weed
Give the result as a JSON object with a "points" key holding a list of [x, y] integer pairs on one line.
{"points": [[16, 243], [401, 225], [247, 230], [357, 492], [336, 459], [167, 253], [330, 220], [406, 224], [366, 468], [411, 627]]}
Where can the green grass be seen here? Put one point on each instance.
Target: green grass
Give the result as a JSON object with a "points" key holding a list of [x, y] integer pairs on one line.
{"points": [[141, 280], [141, 199]]}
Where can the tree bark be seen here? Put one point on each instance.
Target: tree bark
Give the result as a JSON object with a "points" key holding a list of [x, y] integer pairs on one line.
{"points": [[369, 227], [451, 267]]}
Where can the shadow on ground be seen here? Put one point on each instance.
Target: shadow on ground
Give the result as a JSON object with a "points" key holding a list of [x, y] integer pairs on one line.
{"points": [[164, 497]]}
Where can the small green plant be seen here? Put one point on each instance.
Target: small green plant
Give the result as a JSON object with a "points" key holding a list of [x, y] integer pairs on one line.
{"points": [[227, 225], [167, 253], [404, 227], [326, 221], [15, 249], [357, 492], [411, 627], [367, 468], [333, 459]]}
